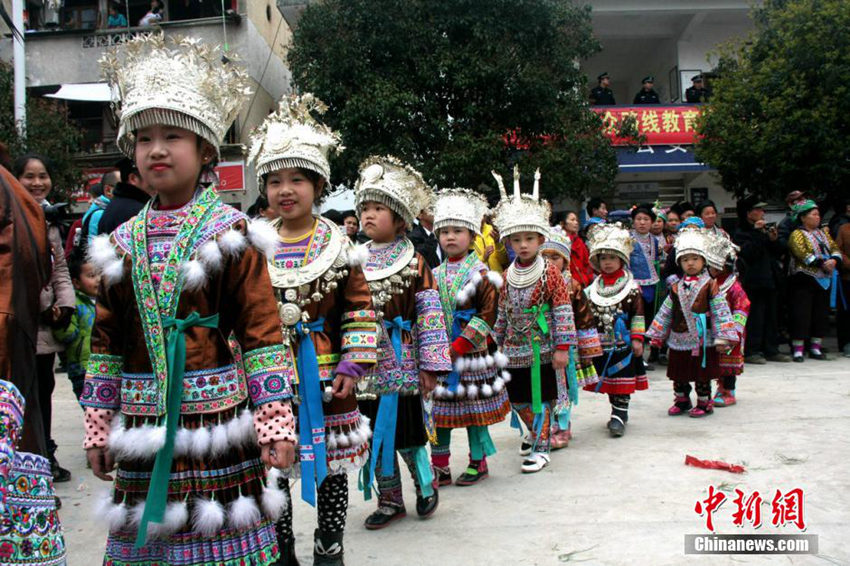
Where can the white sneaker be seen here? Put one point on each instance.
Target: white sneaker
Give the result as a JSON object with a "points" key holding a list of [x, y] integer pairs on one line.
{"points": [[526, 446], [535, 462]]}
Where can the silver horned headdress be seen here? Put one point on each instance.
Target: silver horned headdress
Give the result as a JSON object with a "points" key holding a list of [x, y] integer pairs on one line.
{"points": [[520, 212]]}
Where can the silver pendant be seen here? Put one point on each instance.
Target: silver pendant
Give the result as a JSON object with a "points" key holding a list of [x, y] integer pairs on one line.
{"points": [[290, 295], [290, 314]]}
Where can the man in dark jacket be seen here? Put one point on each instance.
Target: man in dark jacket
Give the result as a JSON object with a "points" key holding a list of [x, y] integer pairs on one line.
{"points": [[425, 240], [647, 94], [128, 199], [602, 95], [760, 259]]}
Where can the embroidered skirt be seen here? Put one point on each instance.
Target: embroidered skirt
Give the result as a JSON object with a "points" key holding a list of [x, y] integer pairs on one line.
{"points": [[482, 401], [682, 366], [733, 362], [212, 468], [626, 377]]}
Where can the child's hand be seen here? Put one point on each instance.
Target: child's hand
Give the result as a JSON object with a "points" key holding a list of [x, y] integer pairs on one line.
{"points": [[427, 382], [279, 454], [560, 359], [101, 462], [343, 385], [637, 348]]}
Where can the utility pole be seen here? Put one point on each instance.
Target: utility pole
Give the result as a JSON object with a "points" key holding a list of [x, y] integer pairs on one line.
{"points": [[20, 69]]}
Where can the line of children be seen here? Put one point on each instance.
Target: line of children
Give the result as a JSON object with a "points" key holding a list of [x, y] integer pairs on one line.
{"points": [[473, 396], [414, 346]]}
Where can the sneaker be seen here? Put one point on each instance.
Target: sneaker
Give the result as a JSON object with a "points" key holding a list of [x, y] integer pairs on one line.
{"points": [[779, 357], [701, 410], [526, 446], [384, 516], [425, 506], [616, 426], [443, 475], [724, 398], [755, 359], [535, 462], [681, 405], [476, 472]]}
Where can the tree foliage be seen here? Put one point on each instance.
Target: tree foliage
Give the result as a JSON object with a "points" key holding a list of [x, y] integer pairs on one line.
{"points": [[441, 85], [779, 118], [49, 132]]}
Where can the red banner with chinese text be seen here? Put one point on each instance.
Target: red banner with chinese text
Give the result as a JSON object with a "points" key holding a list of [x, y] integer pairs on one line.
{"points": [[662, 125], [231, 175]]}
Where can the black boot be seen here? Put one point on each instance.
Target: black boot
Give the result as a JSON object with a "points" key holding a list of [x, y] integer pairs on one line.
{"points": [[327, 549], [425, 506], [619, 415], [287, 552]]}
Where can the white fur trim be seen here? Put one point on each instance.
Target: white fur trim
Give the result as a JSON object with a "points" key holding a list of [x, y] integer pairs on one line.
{"points": [[136, 512], [232, 242], [358, 255], [244, 513], [490, 360], [506, 376], [263, 237], [496, 279], [101, 251], [114, 514], [476, 278], [471, 391], [498, 384], [461, 364], [332, 441], [274, 500], [208, 517], [113, 272], [461, 391], [182, 441], [201, 440], [137, 442], [486, 390], [440, 392], [176, 517], [219, 441], [194, 275], [343, 440], [501, 359], [211, 256]]}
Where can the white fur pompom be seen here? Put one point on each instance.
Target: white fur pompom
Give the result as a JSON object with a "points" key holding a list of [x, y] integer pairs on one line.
{"points": [[211, 256], [113, 271], [135, 513], [274, 502], [461, 364], [155, 438], [440, 392], [498, 385], [486, 390], [461, 391], [249, 433], [194, 275], [116, 437], [476, 278], [208, 517], [232, 242], [358, 255], [472, 391], [183, 442], [343, 440], [101, 251], [490, 361], [201, 439], [244, 513], [356, 437], [460, 297], [240, 430], [501, 359], [114, 514], [506, 376], [219, 441], [496, 279], [176, 517], [263, 237], [332, 441]]}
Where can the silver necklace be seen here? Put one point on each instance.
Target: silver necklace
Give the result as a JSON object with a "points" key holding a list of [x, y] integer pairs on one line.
{"points": [[522, 277]]}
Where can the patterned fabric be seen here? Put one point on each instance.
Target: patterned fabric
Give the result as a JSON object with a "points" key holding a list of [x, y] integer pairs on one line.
{"points": [[739, 304], [265, 368], [30, 531], [102, 388], [359, 337], [433, 342], [808, 248], [642, 261], [515, 329]]}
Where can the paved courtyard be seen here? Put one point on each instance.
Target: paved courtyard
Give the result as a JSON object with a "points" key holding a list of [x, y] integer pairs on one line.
{"points": [[602, 500]]}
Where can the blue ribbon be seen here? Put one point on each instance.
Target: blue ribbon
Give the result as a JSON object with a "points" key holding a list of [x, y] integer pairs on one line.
{"points": [[572, 391], [311, 417], [835, 291], [702, 332], [457, 317], [383, 440], [621, 333]]}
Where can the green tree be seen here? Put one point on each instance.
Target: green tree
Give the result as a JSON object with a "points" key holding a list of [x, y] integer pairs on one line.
{"points": [[49, 132], [779, 117], [441, 85]]}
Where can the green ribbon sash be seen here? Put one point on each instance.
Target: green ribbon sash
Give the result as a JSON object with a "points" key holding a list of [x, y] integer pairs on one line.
{"points": [[176, 357], [539, 314]]}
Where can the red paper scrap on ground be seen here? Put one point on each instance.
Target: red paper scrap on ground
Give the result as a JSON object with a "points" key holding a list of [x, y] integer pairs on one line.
{"points": [[714, 465]]}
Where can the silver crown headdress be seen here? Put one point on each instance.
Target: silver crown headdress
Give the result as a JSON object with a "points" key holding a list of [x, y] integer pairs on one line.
{"points": [[459, 207], [174, 81], [692, 241], [611, 239], [558, 241], [291, 137], [396, 185], [720, 250], [519, 212]]}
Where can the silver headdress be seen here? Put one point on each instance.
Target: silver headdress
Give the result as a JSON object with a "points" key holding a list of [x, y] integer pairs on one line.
{"points": [[719, 250], [459, 207], [521, 213], [610, 239], [394, 184], [558, 242], [692, 241], [292, 137], [174, 81]]}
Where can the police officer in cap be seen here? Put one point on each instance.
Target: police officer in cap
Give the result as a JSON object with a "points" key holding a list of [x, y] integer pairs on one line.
{"points": [[647, 94], [698, 92], [602, 95]]}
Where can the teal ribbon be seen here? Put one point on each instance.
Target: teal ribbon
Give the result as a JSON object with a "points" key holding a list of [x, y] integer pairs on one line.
{"points": [[539, 314], [311, 417], [702, 332], [563, 415], [465, 315], [175, 348], [423, 471]]}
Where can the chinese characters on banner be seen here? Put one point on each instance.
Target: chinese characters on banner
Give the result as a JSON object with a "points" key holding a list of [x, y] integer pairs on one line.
{"points": [[786, 509], [662, 125]]}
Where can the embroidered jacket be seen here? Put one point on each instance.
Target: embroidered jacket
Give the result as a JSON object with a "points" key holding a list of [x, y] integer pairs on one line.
{"points": [[739, 305], [587, 336], [643, 260], [676, 323], [809, 249], [174, 263], [626, 301], [516, 325], [404, 291]]}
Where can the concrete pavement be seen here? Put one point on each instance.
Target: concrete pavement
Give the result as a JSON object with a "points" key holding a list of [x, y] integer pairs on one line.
{"points": [[602, 500]]}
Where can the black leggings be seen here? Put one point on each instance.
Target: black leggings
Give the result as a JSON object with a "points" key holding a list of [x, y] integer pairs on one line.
{"points": [[331, 507], [46, 383], [683, 388]]}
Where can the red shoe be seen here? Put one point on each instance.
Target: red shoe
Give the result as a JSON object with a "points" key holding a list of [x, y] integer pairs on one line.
{"points": [[724, 398], [681, 405], [702, 410]]}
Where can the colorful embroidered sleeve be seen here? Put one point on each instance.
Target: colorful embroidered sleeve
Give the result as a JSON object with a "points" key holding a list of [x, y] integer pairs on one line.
{"points": [[637, 321], [102, 387], [739, 303], [564, 332], [431, 331], [476, 333], [589, 345], [722, 324], [501, 326], [359, 322], [11, 420], [661, 325], [266, 370]]}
